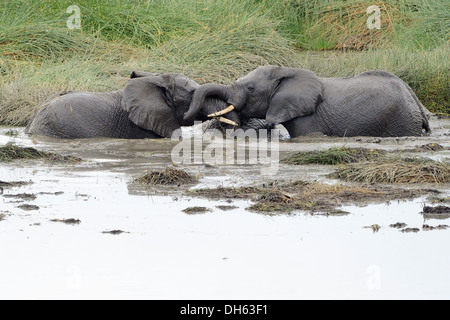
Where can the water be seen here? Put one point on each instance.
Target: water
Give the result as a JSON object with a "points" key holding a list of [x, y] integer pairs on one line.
{"points": [[237, 254]]}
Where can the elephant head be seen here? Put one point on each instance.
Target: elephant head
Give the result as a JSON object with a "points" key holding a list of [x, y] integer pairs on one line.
{"points": [[276, 94], [158, 102]]}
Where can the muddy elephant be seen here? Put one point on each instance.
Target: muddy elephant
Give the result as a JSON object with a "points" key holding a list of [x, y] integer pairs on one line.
{"points": [[151, 106], [374, 103]]}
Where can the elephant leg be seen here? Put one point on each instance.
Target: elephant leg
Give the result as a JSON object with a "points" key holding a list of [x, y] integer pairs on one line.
{"points": [[303, 126]]}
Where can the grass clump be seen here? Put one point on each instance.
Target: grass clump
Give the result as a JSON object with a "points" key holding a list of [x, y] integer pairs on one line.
{"points": [[168, 176], [196, 210], [306, 196], [396, 170], [333, 156], [12, 152]]}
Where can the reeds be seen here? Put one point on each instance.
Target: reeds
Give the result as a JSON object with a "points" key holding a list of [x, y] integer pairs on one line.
{"points": [[396, 170]]}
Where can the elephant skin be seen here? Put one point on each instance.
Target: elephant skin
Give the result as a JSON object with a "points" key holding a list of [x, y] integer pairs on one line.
{"points": [[374, 103], [151, 106]]}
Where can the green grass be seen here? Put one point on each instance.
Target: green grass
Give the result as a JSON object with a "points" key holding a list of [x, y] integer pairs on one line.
{"points": [[333, 156], [11, 152], [214, 41]]}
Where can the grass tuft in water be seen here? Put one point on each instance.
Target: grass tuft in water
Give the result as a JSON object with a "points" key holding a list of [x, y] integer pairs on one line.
{"points": [[396, 170], [12, 152], [333, 156], [168, 176]]}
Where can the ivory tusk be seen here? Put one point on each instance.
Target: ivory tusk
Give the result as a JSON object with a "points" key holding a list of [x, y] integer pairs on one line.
{"points": [[221, 113], [228, 121]]}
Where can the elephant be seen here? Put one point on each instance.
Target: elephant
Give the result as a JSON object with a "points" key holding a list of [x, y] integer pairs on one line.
{"points": [[373, 103], [151, 106]]}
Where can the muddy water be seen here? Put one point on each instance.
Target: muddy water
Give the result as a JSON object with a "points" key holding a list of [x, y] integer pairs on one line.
{"points": [[163, 253]]}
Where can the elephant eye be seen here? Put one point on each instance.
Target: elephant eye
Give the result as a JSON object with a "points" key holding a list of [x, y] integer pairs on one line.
{"points": [[250, 88]]}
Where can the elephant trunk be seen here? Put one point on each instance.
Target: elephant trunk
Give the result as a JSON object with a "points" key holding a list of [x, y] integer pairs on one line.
{"points": [[203, 92]]}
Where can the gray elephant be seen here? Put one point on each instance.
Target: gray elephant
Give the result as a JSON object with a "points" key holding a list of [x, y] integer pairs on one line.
{"points": [[151, 106], [374, 103]]}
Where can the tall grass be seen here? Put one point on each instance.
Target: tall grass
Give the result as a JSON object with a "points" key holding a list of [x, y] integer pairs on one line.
{"points": [[331, 24]]}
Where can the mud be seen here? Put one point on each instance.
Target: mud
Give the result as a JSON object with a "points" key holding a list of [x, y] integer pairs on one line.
{"points": [[135, 241]]}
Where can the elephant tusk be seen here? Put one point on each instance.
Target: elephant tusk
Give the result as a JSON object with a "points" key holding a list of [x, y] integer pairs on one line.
{"points": [[221, 113], [228, 121]]}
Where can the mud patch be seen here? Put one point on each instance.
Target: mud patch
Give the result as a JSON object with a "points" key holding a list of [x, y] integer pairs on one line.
{"points": [[396, 170], [67, 221], [22, 196], [11, 152], [196, 210], [427, 227], [14, 183], [398, 225], [168, 176], [28, 207], [436, 210], [410, 230], [114, 232], [313, 197], [227, 208]]}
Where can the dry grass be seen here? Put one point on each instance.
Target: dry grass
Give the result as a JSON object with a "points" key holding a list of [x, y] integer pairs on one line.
{"points": [[168, 176], [396, 170], [306, 196]]}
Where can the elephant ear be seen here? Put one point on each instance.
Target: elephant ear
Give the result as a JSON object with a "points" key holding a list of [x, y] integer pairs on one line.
{"points": [[147, 101], [298, 94]]}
